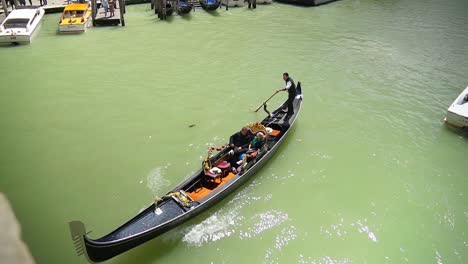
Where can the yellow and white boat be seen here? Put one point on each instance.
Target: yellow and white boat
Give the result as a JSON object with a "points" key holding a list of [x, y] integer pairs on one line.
{"points": [[76, 18]]}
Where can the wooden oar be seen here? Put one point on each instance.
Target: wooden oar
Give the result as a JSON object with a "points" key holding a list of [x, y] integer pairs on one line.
{"points": [[260, 106]]}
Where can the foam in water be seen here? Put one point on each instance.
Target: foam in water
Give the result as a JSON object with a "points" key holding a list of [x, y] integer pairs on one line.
{"points": [[264, 221], [439, 258], [323, 260], [213, 228], [365, 229], [155, 180], [229, 221], [340, 229]]}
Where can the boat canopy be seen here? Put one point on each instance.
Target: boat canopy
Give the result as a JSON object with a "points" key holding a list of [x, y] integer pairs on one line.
{"points": [[76, 7]]}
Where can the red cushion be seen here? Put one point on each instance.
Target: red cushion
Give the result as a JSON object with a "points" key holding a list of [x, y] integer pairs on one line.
{"points": [[223, 165]]}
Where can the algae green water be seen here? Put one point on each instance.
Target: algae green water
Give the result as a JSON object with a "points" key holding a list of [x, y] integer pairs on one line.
{"points": [[94, 126]]}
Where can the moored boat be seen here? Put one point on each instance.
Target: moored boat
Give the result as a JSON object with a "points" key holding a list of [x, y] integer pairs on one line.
{"points": [[169, 9], [457, 113], [76, 18], [184, 7], [21, 25], [211, 183], [210, 5]]}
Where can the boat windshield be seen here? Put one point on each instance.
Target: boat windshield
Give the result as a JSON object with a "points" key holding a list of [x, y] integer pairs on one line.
{"points": [[73, 13], [16, 23]]}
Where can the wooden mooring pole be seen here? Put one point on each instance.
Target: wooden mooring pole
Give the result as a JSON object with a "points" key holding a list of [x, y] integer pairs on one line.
{"points": [[122, 12], [252, 3], [157, 7], [160, 9], [94, 12]]}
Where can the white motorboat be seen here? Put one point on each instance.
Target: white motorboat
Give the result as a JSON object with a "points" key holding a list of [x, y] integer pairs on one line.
{"points": [[21, 25], [457, 113]]}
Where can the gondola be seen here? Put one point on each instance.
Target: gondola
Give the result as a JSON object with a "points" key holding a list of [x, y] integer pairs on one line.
{"points": [[210, 4], [215, 180], [184, 7], [169, 9]]}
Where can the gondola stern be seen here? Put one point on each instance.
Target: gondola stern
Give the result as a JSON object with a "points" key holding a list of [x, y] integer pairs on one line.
{"points": [[78, 236]]}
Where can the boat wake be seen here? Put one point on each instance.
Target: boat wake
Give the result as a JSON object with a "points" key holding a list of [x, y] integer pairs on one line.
{"points": [[212, 229], [155, 180], [229, 221]]}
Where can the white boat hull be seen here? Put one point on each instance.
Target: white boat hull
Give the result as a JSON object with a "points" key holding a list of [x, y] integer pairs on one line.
{"points": [[22, 35], [75, 28], [457, 113], [18, 38]]}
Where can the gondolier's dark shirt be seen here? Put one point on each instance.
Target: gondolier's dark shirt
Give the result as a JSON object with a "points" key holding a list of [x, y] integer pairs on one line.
{"points": [[291, 87]]}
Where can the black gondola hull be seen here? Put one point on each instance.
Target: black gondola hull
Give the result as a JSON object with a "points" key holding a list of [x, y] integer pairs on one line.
{"points": [[158, 219], [210, 6], [184, 8]]}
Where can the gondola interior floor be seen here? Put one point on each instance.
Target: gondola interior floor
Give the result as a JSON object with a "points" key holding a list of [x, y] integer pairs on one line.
{"points": [[203, 191]]}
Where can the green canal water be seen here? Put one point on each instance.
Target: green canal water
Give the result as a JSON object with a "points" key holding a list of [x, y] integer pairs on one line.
{"points": [[94, 126]]}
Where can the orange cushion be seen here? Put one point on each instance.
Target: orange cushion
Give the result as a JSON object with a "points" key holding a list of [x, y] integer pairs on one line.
{"points": [[274, 132]]}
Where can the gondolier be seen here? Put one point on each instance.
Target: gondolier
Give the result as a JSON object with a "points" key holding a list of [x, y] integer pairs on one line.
{"points": [[291, 88]]}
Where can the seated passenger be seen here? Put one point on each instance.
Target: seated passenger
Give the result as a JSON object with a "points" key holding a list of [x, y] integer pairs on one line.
{"points": [[257, 143], [239, 142]]}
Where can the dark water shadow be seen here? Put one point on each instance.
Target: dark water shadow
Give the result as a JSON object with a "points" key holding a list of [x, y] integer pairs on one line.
{"points": [[458, 131], [169, 19], [58, 33], [213, 12], [11, 45], [187, 17]]}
